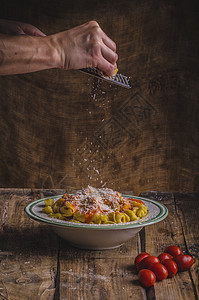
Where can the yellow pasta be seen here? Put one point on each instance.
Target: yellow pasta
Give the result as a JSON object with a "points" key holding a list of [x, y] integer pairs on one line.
{"points": [[122, 218], [132, 215], [104, 219], [58, 216], [67, 211], [49, 202], [141, 212], [79, 217], [112, 218], [55, 208], [96, 219], [48, 209], [96, 206]]}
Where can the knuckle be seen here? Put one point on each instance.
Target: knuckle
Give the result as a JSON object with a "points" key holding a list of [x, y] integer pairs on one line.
{"points": [[94, 28], [93, 24], [96, 45], [94, 56]]}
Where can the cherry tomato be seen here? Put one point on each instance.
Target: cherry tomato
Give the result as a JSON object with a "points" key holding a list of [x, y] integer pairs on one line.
{"points": [[140, 257], [163, 256], [147, 262], [160, 271], [147, 277], [184, 262], [173, 250], [171, 266]]}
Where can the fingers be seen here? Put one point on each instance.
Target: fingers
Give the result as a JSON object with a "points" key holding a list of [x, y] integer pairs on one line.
{"points": [[32, 30], [108, 42], [19, 28], [107, 56], [106, 67], [105, 39], [37, 32], [108, 62], [86, 46]]}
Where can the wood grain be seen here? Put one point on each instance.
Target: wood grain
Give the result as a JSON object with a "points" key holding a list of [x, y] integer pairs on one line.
{"points": [[35, 264], [65, 130], [28, 251], [180, 229], [99, 274]]}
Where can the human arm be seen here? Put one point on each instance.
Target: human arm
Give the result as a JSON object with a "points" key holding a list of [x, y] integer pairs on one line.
{"points": [[83, 46]]}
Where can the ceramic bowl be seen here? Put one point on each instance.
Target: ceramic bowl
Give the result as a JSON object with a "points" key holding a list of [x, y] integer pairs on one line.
{"points": [[97, 236]]}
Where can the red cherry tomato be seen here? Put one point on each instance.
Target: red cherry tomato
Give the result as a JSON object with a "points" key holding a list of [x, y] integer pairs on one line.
{"points": [[171, 266], [184, 262], [140, 257], [160, 271], [173, 250], [147, 277], [147, 262], [163, 256]]}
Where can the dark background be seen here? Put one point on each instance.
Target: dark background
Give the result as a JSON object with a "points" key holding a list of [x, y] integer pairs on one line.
{"points": [[64, 129]]}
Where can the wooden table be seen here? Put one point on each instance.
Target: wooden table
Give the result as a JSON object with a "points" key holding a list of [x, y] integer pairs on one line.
{"points": [[36, 264]]}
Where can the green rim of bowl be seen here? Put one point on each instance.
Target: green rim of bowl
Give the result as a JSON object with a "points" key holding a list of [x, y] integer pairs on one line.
{"points": [[161, 216]]}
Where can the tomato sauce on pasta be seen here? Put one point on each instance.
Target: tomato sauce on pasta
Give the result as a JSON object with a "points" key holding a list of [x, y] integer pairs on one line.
{"points": [[96, 205]]}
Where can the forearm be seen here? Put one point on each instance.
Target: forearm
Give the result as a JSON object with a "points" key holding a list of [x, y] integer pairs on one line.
{"points": [[24, 54]]}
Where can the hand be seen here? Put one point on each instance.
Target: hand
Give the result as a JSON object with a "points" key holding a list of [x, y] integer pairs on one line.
{"points": [[24, 49], [86, 46], [18, 28]]}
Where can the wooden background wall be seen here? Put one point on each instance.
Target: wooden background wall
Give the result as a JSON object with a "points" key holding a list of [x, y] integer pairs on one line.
{"points": [[64, 129]]}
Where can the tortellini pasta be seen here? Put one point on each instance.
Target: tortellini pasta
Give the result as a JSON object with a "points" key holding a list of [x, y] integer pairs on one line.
{"points": [[96, 206]]}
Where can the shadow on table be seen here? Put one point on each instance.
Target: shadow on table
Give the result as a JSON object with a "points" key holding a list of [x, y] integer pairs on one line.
{"points": [[35, 240]]}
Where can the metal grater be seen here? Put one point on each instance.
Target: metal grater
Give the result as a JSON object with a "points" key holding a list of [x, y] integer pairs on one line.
{"points": [[118, 79]]}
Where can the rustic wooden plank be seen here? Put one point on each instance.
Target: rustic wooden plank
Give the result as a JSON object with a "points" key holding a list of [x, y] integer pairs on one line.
{"points": [[187, 212], [35, 264], [170, 232], [106, 275], [28, 250], [150, 292]]}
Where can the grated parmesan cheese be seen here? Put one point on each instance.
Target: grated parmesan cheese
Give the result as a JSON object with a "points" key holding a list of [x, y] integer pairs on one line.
{"points": [[90, 200]]}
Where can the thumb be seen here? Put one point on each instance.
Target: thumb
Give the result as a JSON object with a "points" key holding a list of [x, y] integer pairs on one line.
{"points": [[32, 30], [37, 32]]}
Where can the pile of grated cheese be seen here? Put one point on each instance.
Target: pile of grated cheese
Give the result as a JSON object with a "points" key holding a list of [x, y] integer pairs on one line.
{"points": [[92, 199]]}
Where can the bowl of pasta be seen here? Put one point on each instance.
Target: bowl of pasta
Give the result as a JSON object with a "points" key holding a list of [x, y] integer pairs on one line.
{"points": [[96, 218]]}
